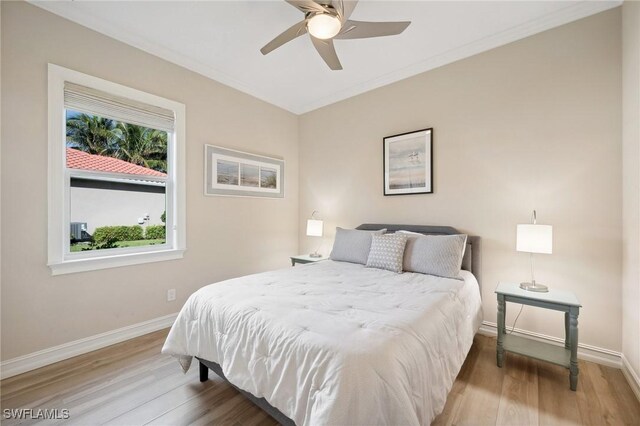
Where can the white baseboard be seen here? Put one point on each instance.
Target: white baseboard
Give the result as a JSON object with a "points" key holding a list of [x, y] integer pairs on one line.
{"points": [[587, 352], [22, 364], [631, 376]]}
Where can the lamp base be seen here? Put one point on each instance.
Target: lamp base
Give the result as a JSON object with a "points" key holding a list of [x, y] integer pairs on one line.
{"points": [[315, 255], [534, 286]]}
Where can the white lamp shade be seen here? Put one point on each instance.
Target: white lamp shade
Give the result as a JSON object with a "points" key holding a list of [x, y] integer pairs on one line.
{"points": [[534, 238], [314, 228]]}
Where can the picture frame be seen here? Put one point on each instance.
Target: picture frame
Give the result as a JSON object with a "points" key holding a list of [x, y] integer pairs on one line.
{"points": [[232, 173], [408, 163]]}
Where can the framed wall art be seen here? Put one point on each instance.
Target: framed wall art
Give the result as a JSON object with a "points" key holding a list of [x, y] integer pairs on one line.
{"points": [[408, 163], [241, 174]]}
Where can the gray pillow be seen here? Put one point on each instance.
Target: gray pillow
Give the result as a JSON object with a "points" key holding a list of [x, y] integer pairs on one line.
{"points": [[439, 255], [352, 245], [387, 252], [467, 251]]}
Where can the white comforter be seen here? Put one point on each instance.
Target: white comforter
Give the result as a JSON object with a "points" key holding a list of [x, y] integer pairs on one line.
{"points": [[335, 343]]}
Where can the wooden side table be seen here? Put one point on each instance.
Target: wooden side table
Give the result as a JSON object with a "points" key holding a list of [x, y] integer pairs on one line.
{"points": [[558, 300], [305, 258]]}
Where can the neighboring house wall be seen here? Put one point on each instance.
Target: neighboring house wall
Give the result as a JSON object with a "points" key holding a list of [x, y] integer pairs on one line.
{"points": [[533, 124], [122, 205], [631, 185], [226, 237]]}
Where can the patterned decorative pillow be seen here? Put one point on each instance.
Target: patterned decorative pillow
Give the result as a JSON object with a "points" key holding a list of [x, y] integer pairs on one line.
{"points": [[352, 245], [387, 252], [439, 255]]}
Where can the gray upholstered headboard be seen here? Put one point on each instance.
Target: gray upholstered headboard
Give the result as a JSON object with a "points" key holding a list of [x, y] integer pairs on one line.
{"points": [[471, 261]]}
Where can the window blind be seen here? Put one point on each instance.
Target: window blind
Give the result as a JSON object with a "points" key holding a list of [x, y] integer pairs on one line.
{"points": [[92, 101]]}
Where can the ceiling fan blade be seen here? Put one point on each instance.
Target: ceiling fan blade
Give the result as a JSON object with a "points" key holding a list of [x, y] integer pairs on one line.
{"points": [[307, 6], [288, 35], [359, 29], [345, 8], [327, 52]]}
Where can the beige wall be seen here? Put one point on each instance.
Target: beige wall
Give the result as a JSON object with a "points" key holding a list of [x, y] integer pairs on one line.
{"points": [[631, 183], [533, 124], [225, 236]]}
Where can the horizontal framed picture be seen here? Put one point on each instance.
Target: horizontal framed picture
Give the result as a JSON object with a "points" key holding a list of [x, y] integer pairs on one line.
{"points": [[242, 174], [408, 163]]}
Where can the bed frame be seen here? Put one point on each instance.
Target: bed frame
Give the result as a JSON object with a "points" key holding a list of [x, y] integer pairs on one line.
{"points": [[471, 263], [205, 366]]}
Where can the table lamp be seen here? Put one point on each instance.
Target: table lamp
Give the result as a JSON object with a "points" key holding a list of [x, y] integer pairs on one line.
{"points": [[314, 229], [533, 238]]}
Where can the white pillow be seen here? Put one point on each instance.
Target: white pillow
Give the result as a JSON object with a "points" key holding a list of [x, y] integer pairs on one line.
{"points": [[439, 255], [352, 245], [387, 252]]}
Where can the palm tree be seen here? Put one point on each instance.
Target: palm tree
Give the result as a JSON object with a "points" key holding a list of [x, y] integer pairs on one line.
{"points": [[129, 142], [92, 134], [143, 146]]}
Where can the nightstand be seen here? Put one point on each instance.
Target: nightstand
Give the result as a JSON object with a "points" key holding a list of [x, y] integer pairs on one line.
{"points": [[558, 300], [305, 258]]}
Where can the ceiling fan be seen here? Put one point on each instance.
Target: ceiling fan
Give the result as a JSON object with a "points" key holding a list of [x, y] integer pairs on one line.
{"points": [[327, 20]]}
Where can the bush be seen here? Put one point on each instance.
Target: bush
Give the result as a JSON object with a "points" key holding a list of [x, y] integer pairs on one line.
{"points": [[118, 233], [108, 243], [155, 232]]}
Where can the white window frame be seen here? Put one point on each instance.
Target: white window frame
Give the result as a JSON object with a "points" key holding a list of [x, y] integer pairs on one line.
{"points": [[60, 259]]}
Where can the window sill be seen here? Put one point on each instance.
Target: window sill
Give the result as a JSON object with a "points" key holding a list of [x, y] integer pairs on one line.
{"points": [[114, 261]]}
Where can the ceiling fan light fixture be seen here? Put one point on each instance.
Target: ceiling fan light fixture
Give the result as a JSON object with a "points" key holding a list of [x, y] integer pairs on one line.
{"points": [[324, 26], [325, 20]]}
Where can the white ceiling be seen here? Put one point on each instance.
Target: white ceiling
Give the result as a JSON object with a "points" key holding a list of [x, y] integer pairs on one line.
{"points": [[221, 40]]}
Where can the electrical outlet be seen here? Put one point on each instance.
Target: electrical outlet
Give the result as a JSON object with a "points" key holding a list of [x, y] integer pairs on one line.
{"points": [[171, 295]]}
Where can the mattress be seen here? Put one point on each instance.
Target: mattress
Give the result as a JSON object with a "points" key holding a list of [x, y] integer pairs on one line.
{"points": [[335, 342]]}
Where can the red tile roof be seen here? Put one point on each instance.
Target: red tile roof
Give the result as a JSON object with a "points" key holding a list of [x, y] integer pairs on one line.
{"points": [[81, 160]]}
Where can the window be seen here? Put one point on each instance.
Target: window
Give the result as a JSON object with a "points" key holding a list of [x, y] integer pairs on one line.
{"points": [[116, 174]]}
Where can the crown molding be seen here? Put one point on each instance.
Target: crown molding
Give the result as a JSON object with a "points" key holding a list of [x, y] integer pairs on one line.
{"points": [[547, 22], [116, 32], [563, 16]]}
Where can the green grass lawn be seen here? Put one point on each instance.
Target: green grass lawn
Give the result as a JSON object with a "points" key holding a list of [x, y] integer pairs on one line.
{"points": [[79, 246]]}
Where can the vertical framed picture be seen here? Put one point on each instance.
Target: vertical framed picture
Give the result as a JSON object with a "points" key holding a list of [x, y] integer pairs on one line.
{"points": [[242, 174], [408, 163]]}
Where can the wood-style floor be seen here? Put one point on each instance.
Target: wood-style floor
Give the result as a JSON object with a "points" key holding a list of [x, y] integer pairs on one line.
{"points": [[131, 383]]}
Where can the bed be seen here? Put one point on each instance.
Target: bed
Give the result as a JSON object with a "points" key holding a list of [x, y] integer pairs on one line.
{"points": [[335, 342]]}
